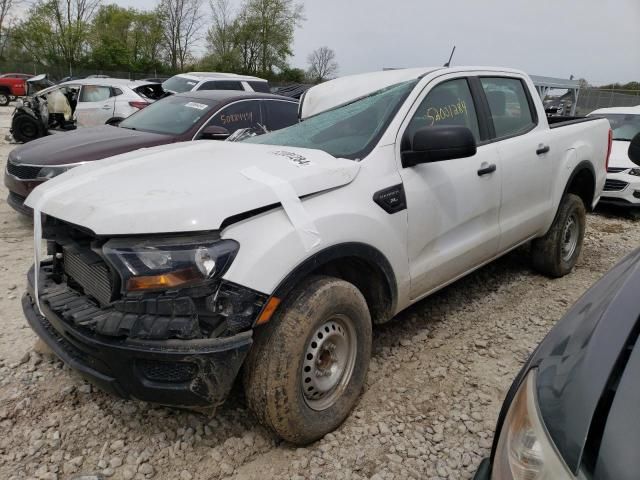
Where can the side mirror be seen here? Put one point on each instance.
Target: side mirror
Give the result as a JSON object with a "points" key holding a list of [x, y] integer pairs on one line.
{"points": [[213, 132], [634, 149], [435, 144]]}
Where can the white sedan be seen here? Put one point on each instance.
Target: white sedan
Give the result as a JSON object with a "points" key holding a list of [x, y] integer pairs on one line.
{"points": [[623, 176]]}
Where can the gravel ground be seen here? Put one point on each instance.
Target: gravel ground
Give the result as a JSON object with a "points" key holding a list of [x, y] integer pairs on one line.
{"points": [[437, 379]]}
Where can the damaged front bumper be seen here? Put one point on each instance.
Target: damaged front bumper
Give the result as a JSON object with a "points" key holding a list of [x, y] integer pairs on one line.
{"points": [[186, 373]]}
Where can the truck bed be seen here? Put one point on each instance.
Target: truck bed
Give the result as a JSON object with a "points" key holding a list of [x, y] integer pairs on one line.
{"points": [[555, 122]]}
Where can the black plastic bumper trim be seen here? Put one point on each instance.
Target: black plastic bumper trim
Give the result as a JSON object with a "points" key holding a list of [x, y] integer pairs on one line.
{"points": [[112, 365]]}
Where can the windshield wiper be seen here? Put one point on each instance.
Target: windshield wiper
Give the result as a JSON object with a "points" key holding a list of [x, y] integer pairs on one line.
{"points": [[621, 139]]}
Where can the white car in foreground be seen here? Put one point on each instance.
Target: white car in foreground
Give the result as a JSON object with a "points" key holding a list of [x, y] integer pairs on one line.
{"points": [[172, 267], [623, 176]]}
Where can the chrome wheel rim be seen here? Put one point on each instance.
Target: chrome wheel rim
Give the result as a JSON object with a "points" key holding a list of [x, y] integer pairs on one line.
{"points": [[4, 99], [570, 235], [329, 359]]}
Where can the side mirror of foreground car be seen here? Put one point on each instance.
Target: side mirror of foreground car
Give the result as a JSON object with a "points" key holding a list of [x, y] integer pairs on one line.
{"points": [[634, 149], [213, 132], [435, 144]]}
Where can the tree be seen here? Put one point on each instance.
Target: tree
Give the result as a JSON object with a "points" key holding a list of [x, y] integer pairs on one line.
{"points": [[273, 23], [221, 37], [181, 21], [322, 64], [57, 31], [6, 6]]}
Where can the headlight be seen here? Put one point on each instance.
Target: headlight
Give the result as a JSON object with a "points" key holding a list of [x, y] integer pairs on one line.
{"points": [[154, 264], [525, 451], [635, 171], [53, 171]]}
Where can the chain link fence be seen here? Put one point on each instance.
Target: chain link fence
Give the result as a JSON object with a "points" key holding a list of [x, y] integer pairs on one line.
{"points": [[590, 99], [58, 72]]}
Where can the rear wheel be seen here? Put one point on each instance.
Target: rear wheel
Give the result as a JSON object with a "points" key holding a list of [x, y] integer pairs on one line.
{"points": [[26, 128], [557, 252], [4, 99], [307, 368]]}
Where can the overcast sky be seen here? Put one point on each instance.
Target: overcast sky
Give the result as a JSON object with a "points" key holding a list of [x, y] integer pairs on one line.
{"points": [[595, 39]]}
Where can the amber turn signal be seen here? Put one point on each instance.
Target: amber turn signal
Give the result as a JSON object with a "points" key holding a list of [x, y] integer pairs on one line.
{"points": [[268, 310], [166, 280]]}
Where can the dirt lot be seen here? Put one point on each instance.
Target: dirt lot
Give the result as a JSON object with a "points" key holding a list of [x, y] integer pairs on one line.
{"points": [[436, 382]]}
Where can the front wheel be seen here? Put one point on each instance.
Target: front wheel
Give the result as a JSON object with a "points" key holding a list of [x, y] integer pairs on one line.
{"points": [[26, 128], [557, 252], [4, 99], [307, 368]]}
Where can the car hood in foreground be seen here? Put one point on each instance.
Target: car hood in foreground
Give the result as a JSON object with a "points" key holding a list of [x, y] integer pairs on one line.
{"points": [[84, 144], [186, 187], [580, 357]]}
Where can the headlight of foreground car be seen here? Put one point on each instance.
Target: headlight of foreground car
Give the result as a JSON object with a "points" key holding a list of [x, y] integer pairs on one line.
{"points": [[525, 451], [53, 171], [160, 264]]}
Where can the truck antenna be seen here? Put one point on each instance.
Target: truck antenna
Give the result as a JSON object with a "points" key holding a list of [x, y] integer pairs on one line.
{"points": [[448, 64]]}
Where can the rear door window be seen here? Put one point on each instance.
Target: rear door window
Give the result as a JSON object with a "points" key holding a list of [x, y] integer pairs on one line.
{"points": [[262, 87], [509, 106], [94, 93], [280, 114], [238, 115], [221, 85]]}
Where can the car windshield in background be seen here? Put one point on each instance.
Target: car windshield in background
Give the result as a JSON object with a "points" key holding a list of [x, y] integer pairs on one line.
{"points": [[625, 126], [179, 84], [171, 115], [350, 131]]}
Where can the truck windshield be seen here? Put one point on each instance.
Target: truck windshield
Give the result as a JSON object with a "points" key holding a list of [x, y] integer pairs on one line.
{"points": [[170, 116], [350, 131], [179, 84], [624, 126]]}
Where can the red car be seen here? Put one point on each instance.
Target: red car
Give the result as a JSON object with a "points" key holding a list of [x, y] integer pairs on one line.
{"points": [[12, 85]]}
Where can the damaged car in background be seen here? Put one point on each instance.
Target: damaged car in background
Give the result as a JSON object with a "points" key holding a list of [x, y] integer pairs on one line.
{"points": [[170, 270], [78, 103], [206, 115]]}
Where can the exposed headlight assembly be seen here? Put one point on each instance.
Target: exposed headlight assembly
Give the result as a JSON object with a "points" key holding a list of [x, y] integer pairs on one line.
{"points": [[525, 451], [635, 172], [160, 264]]}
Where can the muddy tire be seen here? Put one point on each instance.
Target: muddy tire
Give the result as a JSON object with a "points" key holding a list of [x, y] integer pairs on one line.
{"points": [[308, 366], [557, 252], [25, 128], [5, 98]]}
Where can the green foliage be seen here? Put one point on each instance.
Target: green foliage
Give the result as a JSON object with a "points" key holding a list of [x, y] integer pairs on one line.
{"points": [[622, 86], [67, 36], [256, 40]]}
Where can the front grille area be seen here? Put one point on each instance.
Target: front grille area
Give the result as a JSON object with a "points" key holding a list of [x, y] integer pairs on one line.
{"points": [[169, 372], [616, 169], [88, 270], [23, 172], [611, 185]]}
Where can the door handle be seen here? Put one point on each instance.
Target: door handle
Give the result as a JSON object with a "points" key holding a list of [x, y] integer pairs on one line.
{"points": [[106, 107], [542, 149], [487, 170]]}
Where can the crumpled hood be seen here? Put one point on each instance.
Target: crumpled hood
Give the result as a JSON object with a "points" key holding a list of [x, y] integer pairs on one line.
{"points": [[84, 144], [184, 187], [620, 155]]}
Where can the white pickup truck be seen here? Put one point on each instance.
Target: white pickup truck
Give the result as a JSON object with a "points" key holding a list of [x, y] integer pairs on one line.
{"points": [[170, 268]]}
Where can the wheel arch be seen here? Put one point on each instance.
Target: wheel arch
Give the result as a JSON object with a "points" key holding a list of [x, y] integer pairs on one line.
{"points": [[360, 264], [582, 182]]}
